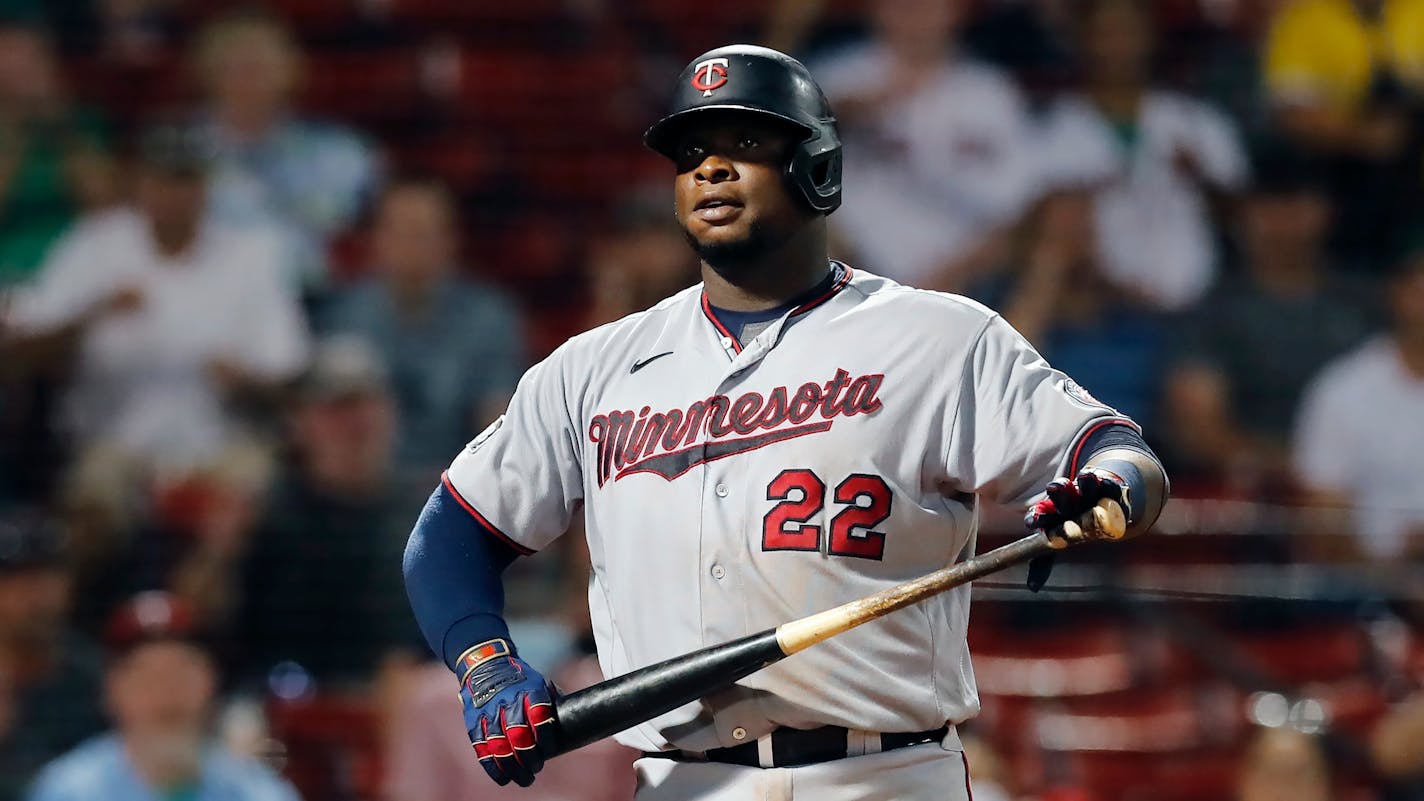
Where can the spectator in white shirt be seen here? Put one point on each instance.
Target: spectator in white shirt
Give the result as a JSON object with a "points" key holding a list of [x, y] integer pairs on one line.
{"points": [[1360, 430], [166, 313], [1155, 162], [307, 179], [937, 148]]}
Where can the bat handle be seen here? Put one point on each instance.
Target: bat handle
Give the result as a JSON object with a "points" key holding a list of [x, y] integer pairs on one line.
{"points": [[625, 701]]}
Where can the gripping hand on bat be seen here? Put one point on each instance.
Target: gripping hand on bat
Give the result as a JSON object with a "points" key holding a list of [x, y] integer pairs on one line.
{"points": [[1094, 505], [507, 706]]}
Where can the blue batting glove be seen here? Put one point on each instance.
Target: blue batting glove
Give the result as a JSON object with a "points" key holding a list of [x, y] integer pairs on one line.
{"points": [[505, 702]]}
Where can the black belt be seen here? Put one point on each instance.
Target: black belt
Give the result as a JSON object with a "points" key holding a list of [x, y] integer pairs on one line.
{"points": [[793, 747]]}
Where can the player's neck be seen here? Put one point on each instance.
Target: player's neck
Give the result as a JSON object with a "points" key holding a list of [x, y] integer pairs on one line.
{"points": [[772, 279]]}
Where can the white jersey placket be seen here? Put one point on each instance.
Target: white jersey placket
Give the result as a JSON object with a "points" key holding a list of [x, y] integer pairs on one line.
{"points": [[726, 512]]}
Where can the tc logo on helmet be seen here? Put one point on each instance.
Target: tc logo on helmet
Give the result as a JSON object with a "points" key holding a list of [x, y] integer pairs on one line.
{"points": [[709, 75]]}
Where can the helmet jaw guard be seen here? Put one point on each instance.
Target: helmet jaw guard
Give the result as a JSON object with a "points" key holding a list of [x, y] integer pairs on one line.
{"points": [[760, 80]]}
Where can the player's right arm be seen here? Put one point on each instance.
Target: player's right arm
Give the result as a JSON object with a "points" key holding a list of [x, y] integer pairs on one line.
{"points": [[1025, 434], [510, 492]]}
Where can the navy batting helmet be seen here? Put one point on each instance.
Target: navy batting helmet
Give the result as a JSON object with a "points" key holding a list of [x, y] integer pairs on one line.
{"points": [[763, 81]]}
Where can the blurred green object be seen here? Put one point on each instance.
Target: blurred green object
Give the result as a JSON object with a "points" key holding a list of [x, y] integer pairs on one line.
{"points": [[39, 201]]}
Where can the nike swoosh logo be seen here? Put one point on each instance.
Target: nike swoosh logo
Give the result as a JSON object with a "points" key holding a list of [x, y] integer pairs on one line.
{"points": [[645, 362]]}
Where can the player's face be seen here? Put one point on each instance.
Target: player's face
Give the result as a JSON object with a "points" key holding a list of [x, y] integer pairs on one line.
{"points": [[732, 197]]}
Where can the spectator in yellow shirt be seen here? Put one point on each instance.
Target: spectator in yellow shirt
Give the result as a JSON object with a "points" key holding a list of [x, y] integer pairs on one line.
{"points": [[1345, 78], [1329, 53]]}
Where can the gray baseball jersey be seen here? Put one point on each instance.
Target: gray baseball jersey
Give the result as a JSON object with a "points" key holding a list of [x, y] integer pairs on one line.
{"points": [[728, 489]]}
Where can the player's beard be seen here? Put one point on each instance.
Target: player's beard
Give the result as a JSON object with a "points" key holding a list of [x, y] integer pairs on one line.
{"points": [[735, 257]]}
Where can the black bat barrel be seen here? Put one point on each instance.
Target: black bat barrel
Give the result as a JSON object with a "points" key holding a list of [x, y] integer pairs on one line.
{"points": [[625, 701]]}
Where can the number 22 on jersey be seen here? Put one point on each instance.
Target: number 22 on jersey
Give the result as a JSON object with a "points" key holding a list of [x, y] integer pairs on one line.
{"points": [[864, 500]]}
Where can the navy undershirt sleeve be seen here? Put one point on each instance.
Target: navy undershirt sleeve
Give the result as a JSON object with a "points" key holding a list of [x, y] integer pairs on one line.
{"points": [[454, 577]]}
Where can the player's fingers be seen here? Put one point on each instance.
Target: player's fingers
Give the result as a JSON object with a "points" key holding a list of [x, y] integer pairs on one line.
{"points": [[1043, 515], [1065, 497], [1090, 486], [524, 736], [1095, 487], [506, 756], [486, 752]]}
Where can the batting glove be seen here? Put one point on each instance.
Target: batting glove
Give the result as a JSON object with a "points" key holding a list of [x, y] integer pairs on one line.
{"points": [[1071, 499], [505, 703]]}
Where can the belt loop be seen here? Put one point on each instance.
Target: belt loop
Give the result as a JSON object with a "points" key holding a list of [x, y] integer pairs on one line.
{"points": [[872, 742], [951, 739], [855, 742], [765, 755]]}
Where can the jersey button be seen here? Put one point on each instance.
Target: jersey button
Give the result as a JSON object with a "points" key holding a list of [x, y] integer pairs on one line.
{"points": [[719, 572], [726, 342], [739, 733], [721, 490]]}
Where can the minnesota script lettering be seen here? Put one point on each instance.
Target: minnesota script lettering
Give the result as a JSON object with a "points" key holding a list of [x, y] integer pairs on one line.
{"points": [[663, 442]]}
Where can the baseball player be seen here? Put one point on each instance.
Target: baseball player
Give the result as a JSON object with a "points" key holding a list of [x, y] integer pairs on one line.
{"points": [[789, 435]]}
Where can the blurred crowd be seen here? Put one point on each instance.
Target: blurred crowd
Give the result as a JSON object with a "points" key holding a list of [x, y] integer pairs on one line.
{"points": [[258, 284]]}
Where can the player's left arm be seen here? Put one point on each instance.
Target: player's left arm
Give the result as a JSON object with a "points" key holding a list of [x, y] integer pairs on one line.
{"points": [[511, 491]]}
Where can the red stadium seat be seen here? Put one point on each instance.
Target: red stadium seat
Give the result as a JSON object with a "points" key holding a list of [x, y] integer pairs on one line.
{"points": [[1354, 704], [132, 93], [1135, 721], [569, 99], [1202, 775], [315, 17], [691, 27], [1087, 661], [333, 750], [1311, 653], [465, 161], [444, 14], [366, 86], [1139, 745]]}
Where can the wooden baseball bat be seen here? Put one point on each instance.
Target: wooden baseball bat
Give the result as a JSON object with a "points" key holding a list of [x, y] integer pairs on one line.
{"points": [[625, 701]]}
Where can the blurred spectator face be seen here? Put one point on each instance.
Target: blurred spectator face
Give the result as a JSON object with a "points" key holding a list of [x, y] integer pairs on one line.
{"points": [[414, 239], [352, 432], [1283, 765], [343, 423], [1284, 227], [1406, 297], [917, 28], [162, 691], [249, 68], [1117, 41], [174, 202], [27, 69], [33, 604]]}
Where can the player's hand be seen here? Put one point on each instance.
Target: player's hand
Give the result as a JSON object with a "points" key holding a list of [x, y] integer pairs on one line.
{"points": [[505, 703], [1074, 509]]}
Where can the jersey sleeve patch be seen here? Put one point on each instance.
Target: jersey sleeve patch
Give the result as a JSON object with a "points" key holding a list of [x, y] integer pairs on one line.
{"points": [[1083, 396], [483, 436]]}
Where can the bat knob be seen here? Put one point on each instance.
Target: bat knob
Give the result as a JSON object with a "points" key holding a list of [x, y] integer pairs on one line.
{"points": [[1109, 520]]}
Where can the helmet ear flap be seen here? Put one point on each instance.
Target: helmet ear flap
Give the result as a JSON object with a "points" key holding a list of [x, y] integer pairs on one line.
{"points": [[815, 170]]}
